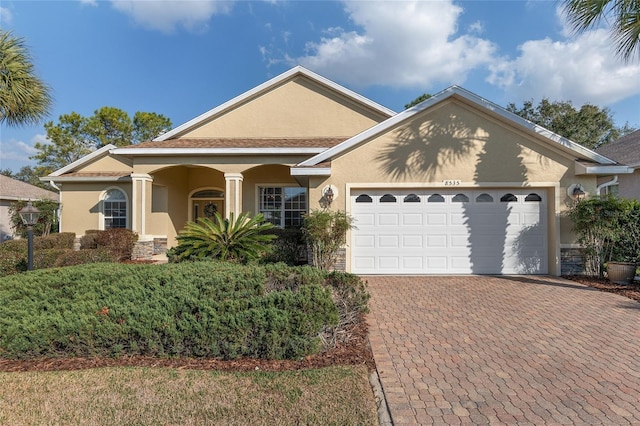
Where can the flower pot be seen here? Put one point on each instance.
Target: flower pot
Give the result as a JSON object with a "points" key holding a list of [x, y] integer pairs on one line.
{"points": [[621, 272]]}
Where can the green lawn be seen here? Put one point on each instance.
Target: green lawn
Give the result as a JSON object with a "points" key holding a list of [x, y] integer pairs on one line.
{"points": [[161, 396]]}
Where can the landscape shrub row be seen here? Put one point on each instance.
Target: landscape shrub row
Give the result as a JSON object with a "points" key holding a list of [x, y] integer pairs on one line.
{"points": [[202, 309], [53, 250]]}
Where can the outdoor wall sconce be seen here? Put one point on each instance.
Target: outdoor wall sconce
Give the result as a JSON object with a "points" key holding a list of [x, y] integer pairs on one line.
{"points": [[329, 194], [576, 192], [29, 216]]}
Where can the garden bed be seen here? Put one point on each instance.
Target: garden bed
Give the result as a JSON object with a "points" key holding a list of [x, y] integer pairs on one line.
{"points": [[632, 291]]}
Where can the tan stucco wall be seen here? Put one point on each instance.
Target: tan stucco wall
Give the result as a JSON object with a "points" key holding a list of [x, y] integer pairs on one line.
{"points": [[108, 163], [456, 142], [629, 186], [297, 108], [81, 204]]}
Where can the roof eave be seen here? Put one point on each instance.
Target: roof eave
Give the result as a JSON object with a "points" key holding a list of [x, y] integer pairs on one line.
{"points": [[598, 169], [447, 93], [85, 178], [311, 171], [217, 151]]}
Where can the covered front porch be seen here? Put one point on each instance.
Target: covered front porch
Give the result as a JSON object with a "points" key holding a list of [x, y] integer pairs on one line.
{"points": [[165, 199]]}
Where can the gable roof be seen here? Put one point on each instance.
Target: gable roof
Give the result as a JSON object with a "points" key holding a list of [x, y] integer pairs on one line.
{"points": [[12, 189], [556, 140], [82, 161], [625, 150], [266, 86]]}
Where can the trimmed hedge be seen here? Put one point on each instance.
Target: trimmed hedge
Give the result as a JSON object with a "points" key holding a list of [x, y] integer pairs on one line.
{"points": [[201, 309]]}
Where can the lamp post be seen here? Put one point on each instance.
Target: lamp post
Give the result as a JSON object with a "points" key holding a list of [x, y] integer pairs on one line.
{"points": [[29, 216]]}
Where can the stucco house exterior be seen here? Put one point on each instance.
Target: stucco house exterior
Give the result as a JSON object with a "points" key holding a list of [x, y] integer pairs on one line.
{"points": [[454, 185], [12, 190], [626, 151]]}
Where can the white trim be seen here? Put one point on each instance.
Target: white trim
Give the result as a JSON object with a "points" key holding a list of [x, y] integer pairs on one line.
{"points": [[237, 179], [583, 169], [472, 98], [81, 161], [290, 74], [123, 178], [216, 151], [612, 182], [310, 171], [101, 209]]}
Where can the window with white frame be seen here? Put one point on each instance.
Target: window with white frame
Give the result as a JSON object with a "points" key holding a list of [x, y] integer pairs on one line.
{"points": [[282, 205], [114, 209]]}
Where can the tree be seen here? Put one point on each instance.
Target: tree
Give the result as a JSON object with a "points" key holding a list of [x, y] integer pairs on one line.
{"points": [[417, 100], [622, 15], [590, 126], [75, 136], [326, 232], [24, 98]]}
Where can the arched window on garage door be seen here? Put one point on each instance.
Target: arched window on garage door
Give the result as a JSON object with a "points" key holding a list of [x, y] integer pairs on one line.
{"points": [[484, 198], [460, 198], [507, 198], [435, 198], [412, 198], [388, 198], [364, 198], [533, 197]]}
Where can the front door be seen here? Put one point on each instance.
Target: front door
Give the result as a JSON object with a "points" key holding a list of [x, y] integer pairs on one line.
{"points": [[207, 208]]}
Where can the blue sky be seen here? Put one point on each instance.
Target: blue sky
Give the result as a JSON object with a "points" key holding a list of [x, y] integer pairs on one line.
{"points": [[182, 58]]}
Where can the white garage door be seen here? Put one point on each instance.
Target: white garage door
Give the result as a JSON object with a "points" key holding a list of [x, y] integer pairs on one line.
{"points": [[449, 231]]}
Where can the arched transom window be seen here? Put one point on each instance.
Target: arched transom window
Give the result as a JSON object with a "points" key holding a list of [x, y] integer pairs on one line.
{"points": [[114, 209]]}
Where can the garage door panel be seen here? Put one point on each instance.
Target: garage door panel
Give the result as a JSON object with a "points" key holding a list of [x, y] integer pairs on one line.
{"points": [[437, 241], [436, 219], [413, 241], [450, 237], [389, 241], [388, 219]]}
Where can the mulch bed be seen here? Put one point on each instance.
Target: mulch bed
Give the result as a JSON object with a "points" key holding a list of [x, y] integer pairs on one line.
{"points": [[632, 291], [356, 352]]}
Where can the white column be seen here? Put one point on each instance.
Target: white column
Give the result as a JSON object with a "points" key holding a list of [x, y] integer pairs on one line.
{"points": [[139, 202], [233, 194]]}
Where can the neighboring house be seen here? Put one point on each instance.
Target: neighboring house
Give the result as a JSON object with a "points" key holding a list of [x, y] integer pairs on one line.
{"points": [[626, 151], [12, 190], [455, 184]]}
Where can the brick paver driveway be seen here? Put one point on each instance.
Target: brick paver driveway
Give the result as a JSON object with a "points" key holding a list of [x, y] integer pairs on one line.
{"points": [[505, 350]]}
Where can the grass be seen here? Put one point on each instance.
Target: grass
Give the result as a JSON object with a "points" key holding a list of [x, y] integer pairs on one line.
{"points": [[159, 396]]}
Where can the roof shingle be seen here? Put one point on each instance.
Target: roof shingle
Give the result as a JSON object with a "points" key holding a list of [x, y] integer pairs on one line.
{"points": [[13, 189], [265, 143], [625, 150]]}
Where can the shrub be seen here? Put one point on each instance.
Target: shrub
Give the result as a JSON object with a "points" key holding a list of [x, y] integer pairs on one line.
{"points": [[119, 241], [63, 240], [13, 257], [82, 256], [325, 231], [238, 240], [204, 309], [608, 229], [288, 247]]}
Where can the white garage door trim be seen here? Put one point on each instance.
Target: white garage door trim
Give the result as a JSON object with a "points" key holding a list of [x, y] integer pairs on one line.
{"points": [[444, 231]]}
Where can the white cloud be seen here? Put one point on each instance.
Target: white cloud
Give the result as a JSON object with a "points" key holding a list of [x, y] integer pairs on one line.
{"points": [[15, 153], [89, 2], [165, 16], [583, 69], [5, 15], [407, 44]]}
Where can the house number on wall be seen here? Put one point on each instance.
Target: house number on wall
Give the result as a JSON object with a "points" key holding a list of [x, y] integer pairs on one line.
{"points": [[451, 182]]}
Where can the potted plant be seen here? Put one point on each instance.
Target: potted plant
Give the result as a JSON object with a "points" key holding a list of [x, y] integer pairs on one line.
{"points": [[625, 250]]}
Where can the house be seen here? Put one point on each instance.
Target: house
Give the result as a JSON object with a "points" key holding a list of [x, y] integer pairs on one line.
{"points": [[12, 190], [626, 151], [454, 185]]}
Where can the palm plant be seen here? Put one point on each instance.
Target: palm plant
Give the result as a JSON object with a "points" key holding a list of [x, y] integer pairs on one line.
{"points": [[24, 98], [236, 240], [623, 16]]}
